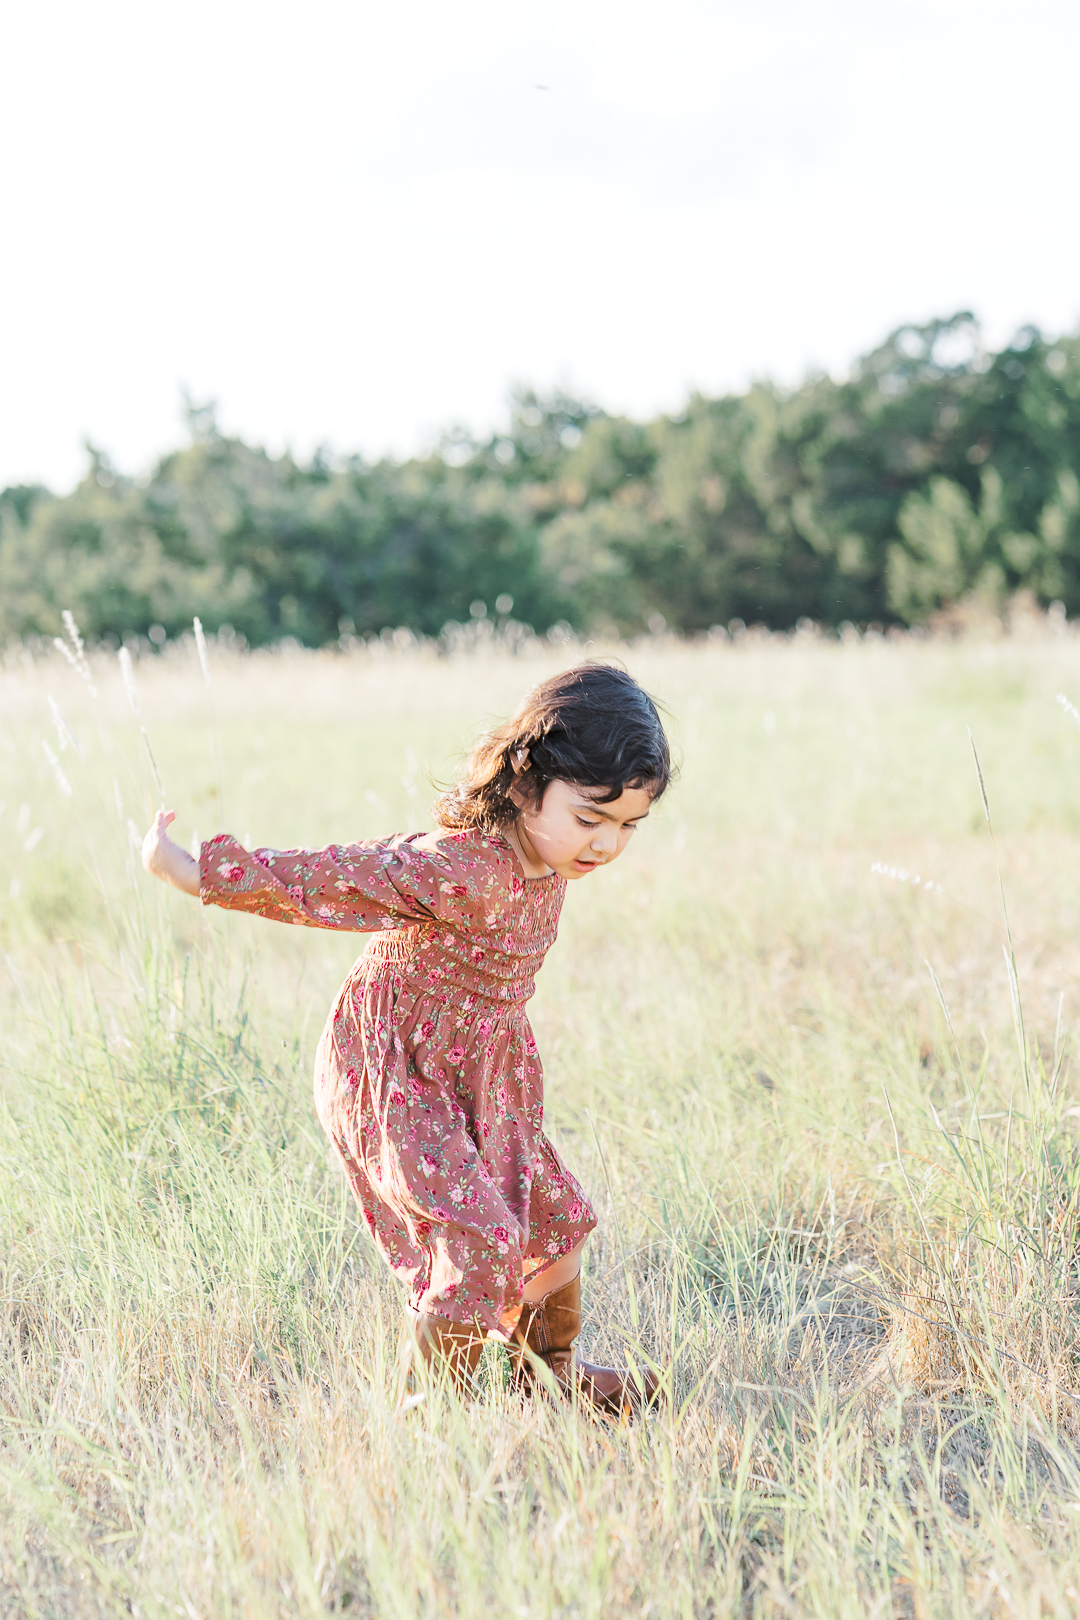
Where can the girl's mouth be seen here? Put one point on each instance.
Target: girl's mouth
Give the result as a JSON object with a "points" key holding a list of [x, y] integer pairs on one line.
{"points": [[585, 866]]}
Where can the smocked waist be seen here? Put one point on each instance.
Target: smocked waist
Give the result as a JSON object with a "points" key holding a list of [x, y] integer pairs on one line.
{"points": [[430, 973]]}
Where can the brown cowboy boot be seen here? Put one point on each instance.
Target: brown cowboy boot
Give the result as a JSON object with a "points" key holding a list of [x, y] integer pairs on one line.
{"points": [[548, 1329], [456, 1344]]}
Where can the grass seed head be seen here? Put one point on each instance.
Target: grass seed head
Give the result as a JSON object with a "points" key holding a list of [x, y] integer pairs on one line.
{"points": [[900, 874], [127, 675], [1068, 708], [57, 769], [76, 652], [73, 631], [200, 643], [65, 735]]}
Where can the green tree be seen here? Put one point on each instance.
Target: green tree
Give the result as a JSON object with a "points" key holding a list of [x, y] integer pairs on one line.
{"points": [[933, 470]]}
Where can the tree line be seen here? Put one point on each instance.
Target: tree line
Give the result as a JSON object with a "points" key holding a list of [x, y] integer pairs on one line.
{"points": [[935, 470]]}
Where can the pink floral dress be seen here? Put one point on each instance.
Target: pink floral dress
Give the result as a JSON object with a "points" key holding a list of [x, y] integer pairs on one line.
{"points": [[427, 1079]]}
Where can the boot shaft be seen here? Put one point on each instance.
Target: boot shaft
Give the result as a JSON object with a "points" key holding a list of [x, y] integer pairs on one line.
{"points": [[548, 1329]]}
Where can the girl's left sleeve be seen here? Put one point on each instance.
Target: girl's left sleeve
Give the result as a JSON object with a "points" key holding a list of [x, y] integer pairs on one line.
{"points": [[347, 886]]}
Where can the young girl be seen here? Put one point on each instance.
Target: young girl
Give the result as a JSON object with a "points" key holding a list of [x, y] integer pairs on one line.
{"points": [[427, 1079]]}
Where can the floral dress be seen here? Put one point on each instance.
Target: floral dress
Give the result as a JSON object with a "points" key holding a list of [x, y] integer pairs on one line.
{"points": [[427, 1079]]}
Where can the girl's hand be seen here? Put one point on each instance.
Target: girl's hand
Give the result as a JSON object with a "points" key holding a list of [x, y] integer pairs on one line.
{"points": [[167, 860]]}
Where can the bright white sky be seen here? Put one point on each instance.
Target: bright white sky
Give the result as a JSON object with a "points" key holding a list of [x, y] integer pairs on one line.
{"points": [[355, 223]]}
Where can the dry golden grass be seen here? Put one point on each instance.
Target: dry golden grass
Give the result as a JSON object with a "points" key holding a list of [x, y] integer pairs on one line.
{"points": [[868, 1317]]}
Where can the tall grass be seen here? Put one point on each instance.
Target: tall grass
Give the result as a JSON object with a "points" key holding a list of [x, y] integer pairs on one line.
{"points": [[838, 1186]]}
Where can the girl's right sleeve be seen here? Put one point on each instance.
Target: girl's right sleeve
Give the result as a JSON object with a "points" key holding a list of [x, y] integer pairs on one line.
{"points": [[343, 886]]}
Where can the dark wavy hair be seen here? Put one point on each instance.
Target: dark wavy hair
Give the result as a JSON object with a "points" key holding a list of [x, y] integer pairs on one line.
{"points": [[592, 725]]}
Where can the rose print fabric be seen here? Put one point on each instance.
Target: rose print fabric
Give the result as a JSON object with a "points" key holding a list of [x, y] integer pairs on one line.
{"points": [[427, 1078]]}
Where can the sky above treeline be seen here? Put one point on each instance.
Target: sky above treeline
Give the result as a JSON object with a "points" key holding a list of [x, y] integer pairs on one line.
{"points": [[355, 224]]}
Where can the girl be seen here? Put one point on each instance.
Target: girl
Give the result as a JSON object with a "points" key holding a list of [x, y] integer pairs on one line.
{"points": [[427, 1079]]}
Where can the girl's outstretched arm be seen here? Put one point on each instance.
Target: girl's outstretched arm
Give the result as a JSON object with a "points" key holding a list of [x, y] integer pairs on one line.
{"points": [[384, 883], [165, 859]]}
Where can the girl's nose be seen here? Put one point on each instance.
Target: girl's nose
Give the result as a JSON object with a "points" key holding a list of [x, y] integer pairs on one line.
{"points": [[605, 841]]}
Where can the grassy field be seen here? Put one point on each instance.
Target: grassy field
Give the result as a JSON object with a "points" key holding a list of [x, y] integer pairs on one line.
{"points": [[844, 1221]]}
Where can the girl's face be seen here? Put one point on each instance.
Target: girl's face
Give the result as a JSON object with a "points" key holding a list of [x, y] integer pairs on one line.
{"points": [[570, 833]]}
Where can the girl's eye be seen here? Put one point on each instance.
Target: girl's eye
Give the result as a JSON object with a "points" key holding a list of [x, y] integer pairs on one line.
{"points": [[590, 824]]}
